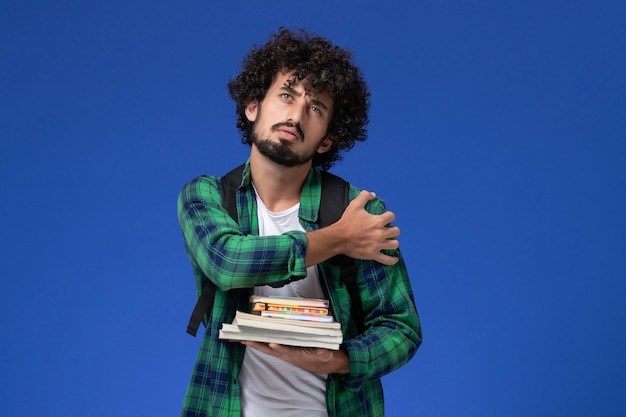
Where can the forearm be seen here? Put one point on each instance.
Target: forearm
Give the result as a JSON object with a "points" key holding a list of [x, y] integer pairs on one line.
{"points": [[230, 267], [219, 249], [393, 331], [323, 244], [371, 360]]}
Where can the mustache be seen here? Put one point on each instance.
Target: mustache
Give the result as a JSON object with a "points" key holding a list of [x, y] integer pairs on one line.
{"points": [[291, 125]]}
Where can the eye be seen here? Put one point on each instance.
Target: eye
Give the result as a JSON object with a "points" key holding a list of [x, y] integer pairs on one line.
{"points": [[316, 109], [286, 96]]}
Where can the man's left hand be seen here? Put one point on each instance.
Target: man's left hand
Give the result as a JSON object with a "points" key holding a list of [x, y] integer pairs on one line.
{"points": [[318, 360]]}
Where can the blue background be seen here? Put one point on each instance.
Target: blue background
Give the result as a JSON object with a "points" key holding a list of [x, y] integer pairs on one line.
{"points": [[497, 136]]}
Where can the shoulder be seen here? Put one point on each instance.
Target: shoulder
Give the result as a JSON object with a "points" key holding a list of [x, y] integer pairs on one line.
{"points": [[375, 206], [202, 185]]}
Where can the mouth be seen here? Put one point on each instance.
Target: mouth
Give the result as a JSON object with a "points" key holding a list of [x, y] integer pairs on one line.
{"points": [[289, 131]]}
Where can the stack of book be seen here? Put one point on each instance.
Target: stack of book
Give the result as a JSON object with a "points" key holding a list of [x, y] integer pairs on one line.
{"points": [[292, 321]]}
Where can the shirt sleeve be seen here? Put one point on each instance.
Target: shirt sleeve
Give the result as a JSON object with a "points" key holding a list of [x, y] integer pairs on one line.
{"points": [[393, 332], [219, 249]]}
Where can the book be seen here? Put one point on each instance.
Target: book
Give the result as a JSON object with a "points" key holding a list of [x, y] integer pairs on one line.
{"points": [[252, 327], [290, 301], [236, 333], [285, 308], [298, 317], [236, 328], [296, 326]]}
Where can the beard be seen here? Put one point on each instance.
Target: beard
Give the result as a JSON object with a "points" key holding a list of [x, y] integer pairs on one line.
{"points": [[281, 152]]}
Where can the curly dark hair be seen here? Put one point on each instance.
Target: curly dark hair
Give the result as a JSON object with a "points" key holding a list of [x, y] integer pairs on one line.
{"points": [[328, 69]]}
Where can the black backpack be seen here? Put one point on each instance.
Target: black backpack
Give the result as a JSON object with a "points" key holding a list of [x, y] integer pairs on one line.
{"points": [[334, 200]]}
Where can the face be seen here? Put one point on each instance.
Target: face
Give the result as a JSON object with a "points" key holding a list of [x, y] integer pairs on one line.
{"points": [[292, 126]]}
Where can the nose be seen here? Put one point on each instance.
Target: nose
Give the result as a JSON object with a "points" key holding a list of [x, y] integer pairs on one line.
{"points": [[297, 111]]}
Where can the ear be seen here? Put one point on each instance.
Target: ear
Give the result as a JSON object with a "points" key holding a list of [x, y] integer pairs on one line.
{"points": [[326, 144], [252, 110]]}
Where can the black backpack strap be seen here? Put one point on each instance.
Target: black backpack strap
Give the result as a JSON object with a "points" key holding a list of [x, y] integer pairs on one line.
{"points": [[348, 276], [229, 182], [334, 200], [203, 305]]}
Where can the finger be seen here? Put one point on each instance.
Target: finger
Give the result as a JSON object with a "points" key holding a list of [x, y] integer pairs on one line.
{"points": [[256, 345], [392, 232], [386, 259], [277, 347], [387, 217], [261, 347], [321, 352], [324, 357], [390, 244], [363, 198]]}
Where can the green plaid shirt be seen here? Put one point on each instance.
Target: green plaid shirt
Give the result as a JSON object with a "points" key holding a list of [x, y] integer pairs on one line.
{"points": [[236, 259]]}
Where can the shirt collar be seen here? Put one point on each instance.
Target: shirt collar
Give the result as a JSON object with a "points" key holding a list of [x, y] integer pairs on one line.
{"points": [[311, 192]]}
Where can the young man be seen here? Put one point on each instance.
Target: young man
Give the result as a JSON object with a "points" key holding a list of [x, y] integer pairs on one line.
{"points": [[300, 101]]}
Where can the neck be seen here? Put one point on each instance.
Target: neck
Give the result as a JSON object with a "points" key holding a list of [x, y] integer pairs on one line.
{"points": [[279, 187]]}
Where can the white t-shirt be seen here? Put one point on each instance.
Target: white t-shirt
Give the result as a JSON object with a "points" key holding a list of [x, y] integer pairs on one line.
{"points": [[271, 387]]}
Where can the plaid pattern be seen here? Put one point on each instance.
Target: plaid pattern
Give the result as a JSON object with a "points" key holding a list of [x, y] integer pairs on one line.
{"points": [[236, 259]]}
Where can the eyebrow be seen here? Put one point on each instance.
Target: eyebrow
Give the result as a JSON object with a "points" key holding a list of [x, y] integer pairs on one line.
{"points": [[314, 100]]}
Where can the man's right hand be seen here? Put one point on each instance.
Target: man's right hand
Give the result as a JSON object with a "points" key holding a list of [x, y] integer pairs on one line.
{"points": [[357, 234], [365, 234]]}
